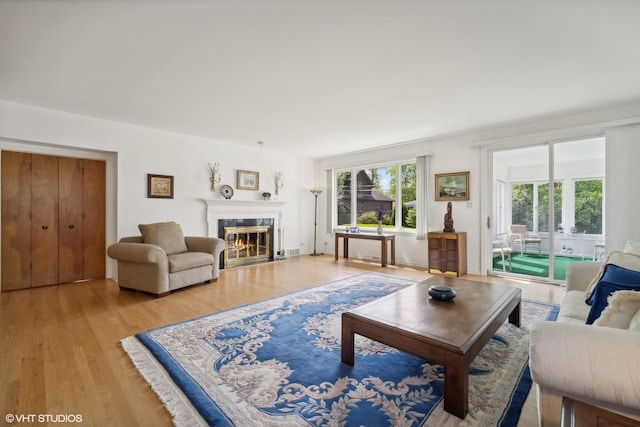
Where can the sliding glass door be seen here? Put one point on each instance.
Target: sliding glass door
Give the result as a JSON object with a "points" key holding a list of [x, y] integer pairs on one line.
{"points": [[546, 207]]}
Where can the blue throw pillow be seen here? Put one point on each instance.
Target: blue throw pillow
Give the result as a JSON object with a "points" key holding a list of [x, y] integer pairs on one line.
{"points": [[617, 275], [614, 278]]}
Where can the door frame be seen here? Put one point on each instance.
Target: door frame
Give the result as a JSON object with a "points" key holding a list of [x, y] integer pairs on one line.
{"points": [[486, 182]]}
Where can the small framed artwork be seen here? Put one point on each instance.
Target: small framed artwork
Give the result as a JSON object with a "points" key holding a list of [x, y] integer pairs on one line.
{"points": [[159, 186], [452, 186], [248, 180]]}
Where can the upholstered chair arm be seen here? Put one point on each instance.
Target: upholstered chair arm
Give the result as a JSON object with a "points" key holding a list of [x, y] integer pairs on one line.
{"points": [[590, 363], [580, 274], [210, 245], [137, 253]]}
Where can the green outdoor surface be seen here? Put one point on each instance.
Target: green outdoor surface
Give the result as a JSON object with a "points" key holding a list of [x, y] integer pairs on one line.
{"points": [[536, 265]]}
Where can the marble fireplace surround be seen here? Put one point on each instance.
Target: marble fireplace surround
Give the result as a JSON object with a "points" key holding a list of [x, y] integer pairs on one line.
{"points": [[245, 209]]}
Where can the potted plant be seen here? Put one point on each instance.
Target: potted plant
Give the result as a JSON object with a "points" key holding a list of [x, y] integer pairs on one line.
{"points": [[266, 195]]}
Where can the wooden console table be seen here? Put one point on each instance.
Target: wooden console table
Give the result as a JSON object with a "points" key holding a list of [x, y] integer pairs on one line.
{"points": [[383, 238]]}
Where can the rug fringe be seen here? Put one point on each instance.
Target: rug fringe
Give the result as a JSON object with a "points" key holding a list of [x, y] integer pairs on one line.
{"points": [[181, 410]]}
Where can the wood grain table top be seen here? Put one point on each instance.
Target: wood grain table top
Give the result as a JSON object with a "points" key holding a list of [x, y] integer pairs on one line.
{"points": [[455, 324]]}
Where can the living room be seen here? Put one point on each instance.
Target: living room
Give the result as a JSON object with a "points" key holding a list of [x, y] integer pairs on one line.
{"points": [[132, 152], [45, 108]]}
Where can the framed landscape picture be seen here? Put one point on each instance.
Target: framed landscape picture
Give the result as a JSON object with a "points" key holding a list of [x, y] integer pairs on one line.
{"points": [[159, 186], [248, 180], [451, 187]]}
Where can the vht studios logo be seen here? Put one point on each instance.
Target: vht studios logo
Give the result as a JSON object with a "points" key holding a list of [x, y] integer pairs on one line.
{"points": [[43, 418]]}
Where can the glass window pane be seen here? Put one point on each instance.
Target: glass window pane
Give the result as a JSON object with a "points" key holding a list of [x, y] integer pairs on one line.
{"points": [[378, 195], [522, 204], [408, 188], [343, 195], [375, 199], [543, 205], [588, 205]]}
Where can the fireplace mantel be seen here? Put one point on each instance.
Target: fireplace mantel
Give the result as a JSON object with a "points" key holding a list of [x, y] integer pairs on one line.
{"points": [[224, 209], [241, 204]]}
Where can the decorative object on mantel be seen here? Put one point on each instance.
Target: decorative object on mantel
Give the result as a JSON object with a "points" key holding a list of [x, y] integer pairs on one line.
{"points": [[248, 180], [316, 192], [266, 195], [279, 181], [452, 186], [214, 175], [448, 220], [159, 186], [226, 191]]}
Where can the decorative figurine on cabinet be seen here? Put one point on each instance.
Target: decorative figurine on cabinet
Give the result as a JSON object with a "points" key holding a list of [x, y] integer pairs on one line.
{"points": [[448, 220]]}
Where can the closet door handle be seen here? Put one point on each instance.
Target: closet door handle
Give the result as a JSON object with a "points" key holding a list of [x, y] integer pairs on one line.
{"points": [[45, 227], [71, 226]]}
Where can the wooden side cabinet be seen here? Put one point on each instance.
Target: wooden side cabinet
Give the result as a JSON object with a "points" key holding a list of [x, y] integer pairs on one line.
{"points": [[447, 253]]}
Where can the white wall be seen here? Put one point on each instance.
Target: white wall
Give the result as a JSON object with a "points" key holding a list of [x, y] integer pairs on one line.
{"points": [[622, 197], [133, 151]]}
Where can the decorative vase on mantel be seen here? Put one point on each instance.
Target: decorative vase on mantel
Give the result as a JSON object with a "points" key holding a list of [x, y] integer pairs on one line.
{"points": [[380, 230]]}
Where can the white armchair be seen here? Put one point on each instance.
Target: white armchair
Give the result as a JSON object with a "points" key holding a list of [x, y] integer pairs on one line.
{"points": [[501, 248], [524, 238]]}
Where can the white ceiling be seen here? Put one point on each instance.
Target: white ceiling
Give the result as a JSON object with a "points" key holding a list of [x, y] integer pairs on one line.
{"points": [[319, 77]]}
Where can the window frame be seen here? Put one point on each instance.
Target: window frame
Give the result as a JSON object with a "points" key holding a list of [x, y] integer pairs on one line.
{"points": [[353, 170], [568, 203]]}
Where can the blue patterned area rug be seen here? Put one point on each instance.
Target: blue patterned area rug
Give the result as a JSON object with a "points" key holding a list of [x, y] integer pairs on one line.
{"points": [[277, 363]]}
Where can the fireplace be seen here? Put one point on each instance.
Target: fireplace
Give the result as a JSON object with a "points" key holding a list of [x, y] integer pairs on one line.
{"points": [[247, 241]]}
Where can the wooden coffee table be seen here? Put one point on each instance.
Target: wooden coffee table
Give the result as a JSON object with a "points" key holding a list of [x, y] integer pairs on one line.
{"points": [[449, 333]]}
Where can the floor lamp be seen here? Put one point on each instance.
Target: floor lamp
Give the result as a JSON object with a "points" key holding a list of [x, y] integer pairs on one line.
{"points": [[316, 193]]}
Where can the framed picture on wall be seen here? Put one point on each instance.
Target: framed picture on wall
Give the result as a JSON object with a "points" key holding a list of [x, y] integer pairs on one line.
{"points": [[451, 187], [248, 180], [159, 186]]}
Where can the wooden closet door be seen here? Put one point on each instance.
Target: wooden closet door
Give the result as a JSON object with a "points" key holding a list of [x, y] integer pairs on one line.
{"points": [[95, 183], [44, 220], [16, 222], [71, 229]]}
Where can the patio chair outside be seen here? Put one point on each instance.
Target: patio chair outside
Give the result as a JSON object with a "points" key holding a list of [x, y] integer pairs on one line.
{"points": [[523, 238], [599, 252], [501, 248]]}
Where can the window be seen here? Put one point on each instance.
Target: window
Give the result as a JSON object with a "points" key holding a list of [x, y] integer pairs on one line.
{"points": [[530, 205], [343, 193], [522, 205], [581, 209], [383, 193], [588, 205], [543, 206]]}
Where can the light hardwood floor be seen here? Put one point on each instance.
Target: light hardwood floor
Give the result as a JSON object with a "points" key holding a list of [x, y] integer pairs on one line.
{"points": [[60, 345]]}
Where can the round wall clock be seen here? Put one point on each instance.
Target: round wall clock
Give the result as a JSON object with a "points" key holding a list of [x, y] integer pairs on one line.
{"points": [[226, 191]]}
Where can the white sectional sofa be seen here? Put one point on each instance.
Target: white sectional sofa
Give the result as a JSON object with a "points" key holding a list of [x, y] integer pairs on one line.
{"points": [[598, 364]]}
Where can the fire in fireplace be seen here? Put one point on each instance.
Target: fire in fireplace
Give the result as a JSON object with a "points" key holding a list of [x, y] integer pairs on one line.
{"points": [[247, 241]]}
